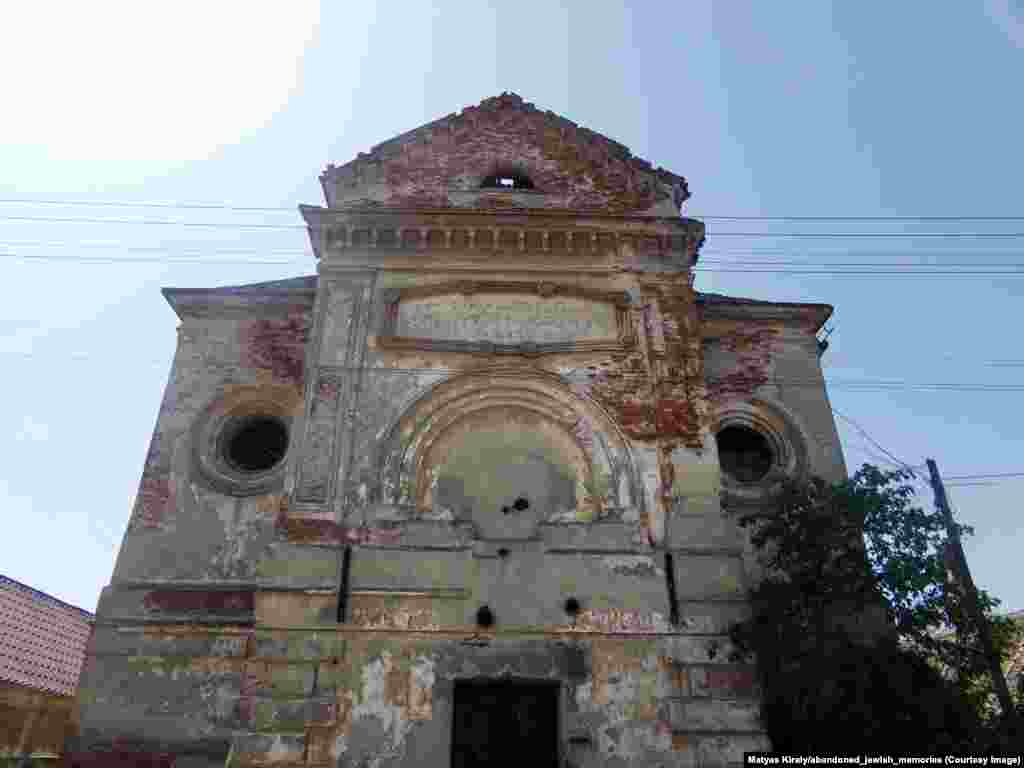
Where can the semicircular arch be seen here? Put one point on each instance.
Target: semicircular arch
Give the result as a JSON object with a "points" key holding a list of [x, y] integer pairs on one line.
{"points": [[608, 483]]}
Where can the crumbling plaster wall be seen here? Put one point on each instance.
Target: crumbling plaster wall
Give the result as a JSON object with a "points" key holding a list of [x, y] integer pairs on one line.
{"points": [[322, 614], [213, 668], [443, 163]]}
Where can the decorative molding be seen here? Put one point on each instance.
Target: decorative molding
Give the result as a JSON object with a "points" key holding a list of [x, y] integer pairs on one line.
{"points": [[209, 465], [621, 302]]}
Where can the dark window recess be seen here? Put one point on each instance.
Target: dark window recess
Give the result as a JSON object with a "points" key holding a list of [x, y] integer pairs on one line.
{"points": [[744, 454], [572, 606], [256, 443], [670, 579], [507, 179], [485, 616], [493, 721], [346, 569]]}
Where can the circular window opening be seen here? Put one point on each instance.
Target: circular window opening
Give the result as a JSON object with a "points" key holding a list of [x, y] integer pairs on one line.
{"points": [[745, 454], [256, 443]]}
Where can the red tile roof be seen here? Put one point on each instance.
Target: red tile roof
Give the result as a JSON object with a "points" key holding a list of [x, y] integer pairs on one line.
{"points": [[42, 640]]}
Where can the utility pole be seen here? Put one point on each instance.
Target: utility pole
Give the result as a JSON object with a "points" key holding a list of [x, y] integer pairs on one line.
{"points": [[962, 575]]}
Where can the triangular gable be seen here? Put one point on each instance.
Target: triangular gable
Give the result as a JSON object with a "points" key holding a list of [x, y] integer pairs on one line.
{"points": [[444, 163]]}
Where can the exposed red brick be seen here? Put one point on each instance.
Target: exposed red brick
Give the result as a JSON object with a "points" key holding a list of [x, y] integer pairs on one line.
{"points": [[156, 498], [729, 681], [277, 345], [313, 530], [199, 601], [575, 168], [118, 759]]}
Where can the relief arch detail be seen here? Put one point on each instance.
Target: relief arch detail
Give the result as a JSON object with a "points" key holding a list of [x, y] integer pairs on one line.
{"points": [[463, 448]]}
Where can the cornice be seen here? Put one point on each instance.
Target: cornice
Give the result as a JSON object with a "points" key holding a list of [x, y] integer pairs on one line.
{"points": [[444, 230]]}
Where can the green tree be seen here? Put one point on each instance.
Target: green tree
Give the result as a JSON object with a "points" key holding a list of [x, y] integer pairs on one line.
{"points": [[836, 555]]}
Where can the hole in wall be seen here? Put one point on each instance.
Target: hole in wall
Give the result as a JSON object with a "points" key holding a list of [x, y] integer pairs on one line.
{"points": [[520, 504], [484, 617], [745, 455], [503, 552], [507, 178], [572, 606], [255, 443]]}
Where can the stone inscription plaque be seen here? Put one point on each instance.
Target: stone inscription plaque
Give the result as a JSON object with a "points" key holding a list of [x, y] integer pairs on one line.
{"points": [[506, 319]]}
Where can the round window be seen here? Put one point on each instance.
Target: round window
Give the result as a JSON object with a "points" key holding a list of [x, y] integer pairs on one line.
{"points": [[254, 444], [745, 455]]}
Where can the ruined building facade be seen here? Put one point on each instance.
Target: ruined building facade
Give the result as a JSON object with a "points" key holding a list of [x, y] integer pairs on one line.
{"points": [[471, 489]]}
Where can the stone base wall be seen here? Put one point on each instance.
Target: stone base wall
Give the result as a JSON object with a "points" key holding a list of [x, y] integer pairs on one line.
{"points": [[315, 695]]}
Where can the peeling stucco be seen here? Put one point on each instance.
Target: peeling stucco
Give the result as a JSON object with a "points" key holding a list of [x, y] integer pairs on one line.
{"points": [[531, 430]]}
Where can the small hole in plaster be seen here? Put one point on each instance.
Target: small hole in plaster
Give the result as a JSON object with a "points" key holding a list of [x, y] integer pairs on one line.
{"points": [[520, 504], [572, 606], [503, 552], [484, 616], [505, 510]]}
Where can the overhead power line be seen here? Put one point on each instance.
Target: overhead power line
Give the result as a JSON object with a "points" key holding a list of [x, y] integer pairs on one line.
{"points": [[292, 209], [197, 257], [923, 219], [846, 235], [872, 440], [140, 204], [777, 235], [986, 476], [156, 222], [720, 259], [865, 384]]}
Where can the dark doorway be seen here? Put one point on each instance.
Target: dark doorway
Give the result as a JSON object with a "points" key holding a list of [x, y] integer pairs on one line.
{"points": [[498, 722]]}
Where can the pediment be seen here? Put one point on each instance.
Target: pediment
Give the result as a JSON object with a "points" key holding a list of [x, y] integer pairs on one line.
{"points": [[450, 162]]}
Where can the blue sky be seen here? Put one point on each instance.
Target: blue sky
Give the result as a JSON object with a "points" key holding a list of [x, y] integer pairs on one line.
{"points": [[812, 109]]}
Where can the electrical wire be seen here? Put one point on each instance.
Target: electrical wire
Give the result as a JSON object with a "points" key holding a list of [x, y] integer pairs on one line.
{"points": [[857, 385], [140, 204], [292, 209], [985, 476], [874, 442], [778, 235], [157, 222], [904, 272]]}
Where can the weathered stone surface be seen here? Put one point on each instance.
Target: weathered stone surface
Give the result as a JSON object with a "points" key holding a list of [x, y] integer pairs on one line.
{"points": [[714, 715], [501, 408], [724, 681], [704, 577]]}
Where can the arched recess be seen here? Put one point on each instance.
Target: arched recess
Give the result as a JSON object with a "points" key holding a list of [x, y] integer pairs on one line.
{"points": [[503, 426]]}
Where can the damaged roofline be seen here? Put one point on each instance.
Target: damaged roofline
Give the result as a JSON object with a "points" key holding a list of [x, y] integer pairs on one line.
{"points": [[718, 306], [299, 290]]}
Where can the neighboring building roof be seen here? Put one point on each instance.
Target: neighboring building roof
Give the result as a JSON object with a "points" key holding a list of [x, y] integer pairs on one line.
{"points": [[571, 167], [42, 639]]}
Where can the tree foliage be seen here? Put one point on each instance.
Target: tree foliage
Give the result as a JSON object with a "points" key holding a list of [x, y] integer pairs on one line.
{"points": [[845, 623]]}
